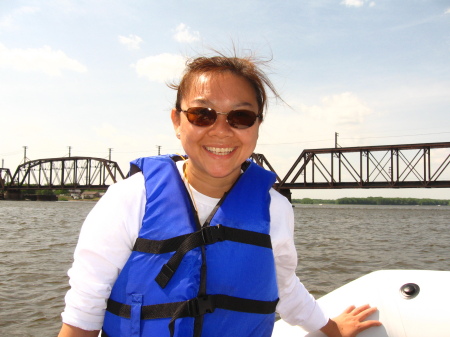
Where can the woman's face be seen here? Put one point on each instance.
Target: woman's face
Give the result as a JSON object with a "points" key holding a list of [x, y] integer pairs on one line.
{"points": [[217, 151]]}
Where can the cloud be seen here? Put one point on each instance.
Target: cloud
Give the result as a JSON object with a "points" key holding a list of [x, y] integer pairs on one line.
{"points": [[353, 3], [44, 60], [183, 34], [339, 109], [314, 125], [132, 42], [447, 11], [9, 21], [357, 3], [160, 68]]}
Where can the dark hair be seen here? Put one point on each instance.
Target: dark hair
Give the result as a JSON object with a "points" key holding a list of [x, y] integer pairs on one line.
{"points": [[246, 67]]}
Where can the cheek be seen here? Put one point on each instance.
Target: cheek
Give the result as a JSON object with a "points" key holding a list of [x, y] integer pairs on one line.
{"points": [[190, 133], [185, 127], [253, 136], [249, 141]]}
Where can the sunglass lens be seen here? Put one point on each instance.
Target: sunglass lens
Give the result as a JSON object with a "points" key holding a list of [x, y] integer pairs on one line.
{"points": [[201, 116], [241, 119]]}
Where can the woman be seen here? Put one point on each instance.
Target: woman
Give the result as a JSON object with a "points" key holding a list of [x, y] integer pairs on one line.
{"points": [[199, 244]]}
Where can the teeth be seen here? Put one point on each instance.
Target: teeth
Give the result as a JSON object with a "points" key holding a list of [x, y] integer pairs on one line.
{"points": [[220, 151]]}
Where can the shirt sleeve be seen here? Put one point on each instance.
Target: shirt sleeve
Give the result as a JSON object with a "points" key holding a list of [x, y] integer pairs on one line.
{"points": [[105, 243], [296, 305]]}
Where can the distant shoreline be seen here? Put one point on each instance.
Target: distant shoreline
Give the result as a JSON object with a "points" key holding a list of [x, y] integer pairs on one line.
{"points": [[374, 201]]}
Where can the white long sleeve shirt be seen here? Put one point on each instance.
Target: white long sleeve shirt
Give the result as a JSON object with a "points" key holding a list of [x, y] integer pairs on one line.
{"points": [[110, 230]]}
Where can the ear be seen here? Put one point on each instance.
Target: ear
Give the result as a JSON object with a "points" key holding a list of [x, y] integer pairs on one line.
{"points": [[176, 119]]}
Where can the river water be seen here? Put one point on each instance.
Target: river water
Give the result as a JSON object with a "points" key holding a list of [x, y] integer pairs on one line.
{"points": [[335, 243]]}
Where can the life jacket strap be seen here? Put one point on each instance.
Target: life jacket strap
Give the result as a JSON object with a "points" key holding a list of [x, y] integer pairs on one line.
{"points": [[194, 307], [185, 243]]}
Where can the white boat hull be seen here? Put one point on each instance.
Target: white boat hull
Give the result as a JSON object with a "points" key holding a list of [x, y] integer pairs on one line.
{"points": [[425, 314]]}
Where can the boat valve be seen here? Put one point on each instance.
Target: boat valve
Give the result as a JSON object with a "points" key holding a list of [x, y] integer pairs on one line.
{"points": [[409, 290]]}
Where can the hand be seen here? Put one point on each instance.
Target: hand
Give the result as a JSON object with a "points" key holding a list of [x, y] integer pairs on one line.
{"points": [[351, 322]]}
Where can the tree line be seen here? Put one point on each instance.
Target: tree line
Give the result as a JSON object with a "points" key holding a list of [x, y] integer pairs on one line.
{"points": [[375, 201]]}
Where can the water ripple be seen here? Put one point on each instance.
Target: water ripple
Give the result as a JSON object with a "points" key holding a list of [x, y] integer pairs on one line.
{"points": [[335, 244]]}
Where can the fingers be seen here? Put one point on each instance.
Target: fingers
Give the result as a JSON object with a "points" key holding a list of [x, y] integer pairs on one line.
{"points": [[363, 311], [367, 312], [352, 321], [368, 324], [349, 309]]}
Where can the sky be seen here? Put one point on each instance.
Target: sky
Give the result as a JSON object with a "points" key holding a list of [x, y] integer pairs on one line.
{"points": [[90, 76]]}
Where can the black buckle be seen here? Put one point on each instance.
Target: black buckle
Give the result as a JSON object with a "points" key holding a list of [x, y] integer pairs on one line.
{"points": [[212, 234], [201, 305]]}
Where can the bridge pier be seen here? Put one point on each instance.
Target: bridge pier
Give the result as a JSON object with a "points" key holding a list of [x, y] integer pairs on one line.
{"points": [[40, 197], [12, 195], [18, 195]]}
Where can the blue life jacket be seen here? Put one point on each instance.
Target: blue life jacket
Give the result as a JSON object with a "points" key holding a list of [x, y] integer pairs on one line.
{"points": [[187, 279]]}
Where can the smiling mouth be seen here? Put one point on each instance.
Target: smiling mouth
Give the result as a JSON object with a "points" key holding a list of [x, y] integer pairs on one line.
{"points": [[220, 151]]}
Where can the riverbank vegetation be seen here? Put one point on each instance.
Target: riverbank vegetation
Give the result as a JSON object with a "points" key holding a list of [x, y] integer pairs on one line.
{"points": [[63, 195], [375, 201]]}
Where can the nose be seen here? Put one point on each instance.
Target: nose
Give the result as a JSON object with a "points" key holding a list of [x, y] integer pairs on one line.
{"points": [[221, 128]]}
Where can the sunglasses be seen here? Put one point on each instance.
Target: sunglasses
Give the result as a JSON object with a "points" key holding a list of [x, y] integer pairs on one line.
{"points": [[239, 119]]}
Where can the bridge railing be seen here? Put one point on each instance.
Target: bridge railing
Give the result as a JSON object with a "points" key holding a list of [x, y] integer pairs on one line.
{"points": [[393, 166], [5, 178], [66, 172]]}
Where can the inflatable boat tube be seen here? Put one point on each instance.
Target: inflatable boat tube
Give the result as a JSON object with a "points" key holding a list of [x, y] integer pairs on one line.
{"points": [[411, 303]]}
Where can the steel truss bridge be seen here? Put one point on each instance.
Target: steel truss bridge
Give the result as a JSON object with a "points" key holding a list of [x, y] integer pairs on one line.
{"points": [[390, 166], [62, 173]]}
